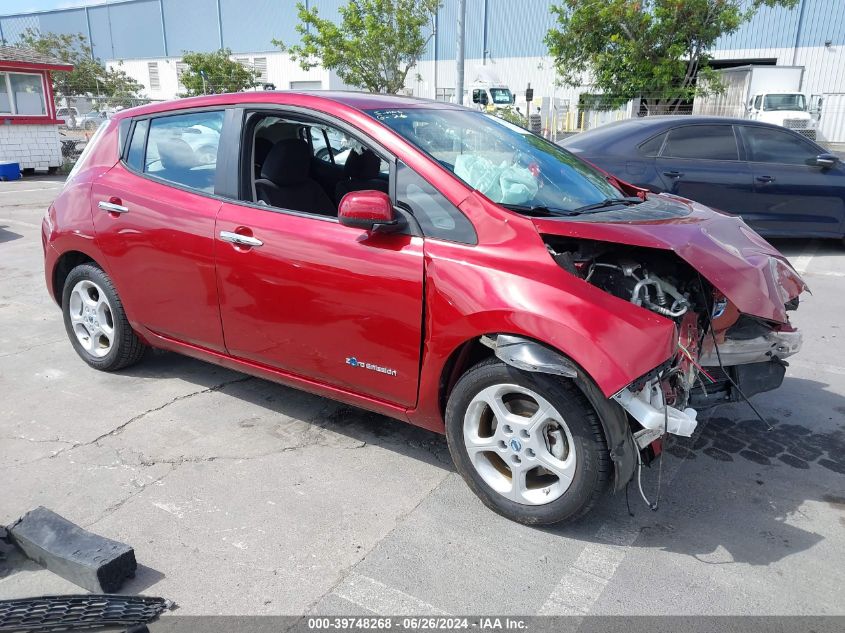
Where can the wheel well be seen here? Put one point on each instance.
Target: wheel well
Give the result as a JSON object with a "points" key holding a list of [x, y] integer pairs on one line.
{"points": [[67, 262], [465, 356]]}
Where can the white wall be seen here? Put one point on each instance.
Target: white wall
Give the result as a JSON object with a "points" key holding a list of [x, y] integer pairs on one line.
{"points": [[281, 71], [33, 146]]}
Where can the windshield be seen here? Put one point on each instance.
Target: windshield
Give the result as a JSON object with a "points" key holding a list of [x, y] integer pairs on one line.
{"points": [[506, 163], [784, 102], [501, 95]]}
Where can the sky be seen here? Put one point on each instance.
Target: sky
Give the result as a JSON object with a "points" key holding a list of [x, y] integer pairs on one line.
{"points": [[24, 6]]}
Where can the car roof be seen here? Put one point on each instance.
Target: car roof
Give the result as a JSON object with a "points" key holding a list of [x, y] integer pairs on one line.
{"points": [[326, 100], [613, 136]]}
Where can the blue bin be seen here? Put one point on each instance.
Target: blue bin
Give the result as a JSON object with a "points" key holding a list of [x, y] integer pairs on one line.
{"points": [[10, 171]]}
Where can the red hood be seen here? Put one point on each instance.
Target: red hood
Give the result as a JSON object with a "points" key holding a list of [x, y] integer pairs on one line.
{"points": [[750, 272]]}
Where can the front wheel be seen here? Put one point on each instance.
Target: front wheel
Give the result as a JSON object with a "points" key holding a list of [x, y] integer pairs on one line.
{"points": [[529, 445], [95, 321]]}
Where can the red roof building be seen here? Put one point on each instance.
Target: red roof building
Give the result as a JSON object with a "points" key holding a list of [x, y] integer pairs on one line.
{"points": [[29, 132]]}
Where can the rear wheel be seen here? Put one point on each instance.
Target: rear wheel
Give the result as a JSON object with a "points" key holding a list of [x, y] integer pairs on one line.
{"points": [[95, 321], [529, 445]]}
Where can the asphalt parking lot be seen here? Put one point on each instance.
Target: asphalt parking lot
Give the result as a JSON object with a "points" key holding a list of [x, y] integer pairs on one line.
{"points": [[241, 496]]}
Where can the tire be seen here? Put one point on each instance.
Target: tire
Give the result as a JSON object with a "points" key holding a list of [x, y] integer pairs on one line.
{"points": [[96, 322], [566, 436]]}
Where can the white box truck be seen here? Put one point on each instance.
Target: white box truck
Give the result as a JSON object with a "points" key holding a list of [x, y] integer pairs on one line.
{"points": [[771, 94]]}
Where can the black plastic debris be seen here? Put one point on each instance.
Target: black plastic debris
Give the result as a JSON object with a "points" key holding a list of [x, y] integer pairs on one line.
{"points": [[93, 562], [69, 613]]}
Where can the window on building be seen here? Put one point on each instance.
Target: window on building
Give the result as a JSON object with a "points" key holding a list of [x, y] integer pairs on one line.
{"points": [[5, 99], [260, 66], [22, 94], [182, 148], [445, 94], [306, 85], [155, 81], [181, 69], [708, 142]]}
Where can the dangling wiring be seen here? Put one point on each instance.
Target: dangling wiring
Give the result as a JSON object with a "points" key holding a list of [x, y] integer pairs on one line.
{"points": [[769, 427]]}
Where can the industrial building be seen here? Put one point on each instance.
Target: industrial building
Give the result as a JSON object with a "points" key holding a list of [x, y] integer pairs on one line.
{"points": [[148, 37]]}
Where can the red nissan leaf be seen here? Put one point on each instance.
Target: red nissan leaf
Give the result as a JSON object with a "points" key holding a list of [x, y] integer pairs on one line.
{"points": [[427, 262]]}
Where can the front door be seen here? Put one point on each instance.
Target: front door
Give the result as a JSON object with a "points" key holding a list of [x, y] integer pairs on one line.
{"points": [[792, 196], [322, 300], [154, 220], [302, 293]]}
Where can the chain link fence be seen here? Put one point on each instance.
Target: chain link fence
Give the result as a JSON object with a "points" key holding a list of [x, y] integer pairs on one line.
{"points": [[81, 116]]}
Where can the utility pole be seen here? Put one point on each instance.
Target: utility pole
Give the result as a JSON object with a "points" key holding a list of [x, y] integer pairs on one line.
{"points": [[459, 54]]}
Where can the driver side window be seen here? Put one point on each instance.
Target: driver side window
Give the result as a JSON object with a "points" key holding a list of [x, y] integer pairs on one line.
{"points": [[766, 145]]}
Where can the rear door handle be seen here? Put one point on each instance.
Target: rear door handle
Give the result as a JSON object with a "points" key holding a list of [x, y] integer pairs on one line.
{"points": [[112, 206], [673, 174], [240, 240], [766, 179]]}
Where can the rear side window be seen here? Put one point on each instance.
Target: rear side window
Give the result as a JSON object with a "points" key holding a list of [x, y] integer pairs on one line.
{"points": [[135, 155], [706, 142], [766, 145], [182, 149], [436, 215], [651, 147]]}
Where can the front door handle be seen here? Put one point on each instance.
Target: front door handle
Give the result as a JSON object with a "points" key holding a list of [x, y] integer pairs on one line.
{"points": [[673, 174], [240, 240], [113, 205], [765, 179]]}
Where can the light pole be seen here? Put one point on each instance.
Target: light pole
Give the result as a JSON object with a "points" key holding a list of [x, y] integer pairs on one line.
{"points": [[459, 53]]}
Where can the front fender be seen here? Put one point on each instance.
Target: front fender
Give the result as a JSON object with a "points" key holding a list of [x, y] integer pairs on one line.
{"points": [[613, 341]]}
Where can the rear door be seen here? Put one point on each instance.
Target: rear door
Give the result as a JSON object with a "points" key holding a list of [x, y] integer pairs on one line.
{"points": [[792, 195], [703, 163], [154, 215]]}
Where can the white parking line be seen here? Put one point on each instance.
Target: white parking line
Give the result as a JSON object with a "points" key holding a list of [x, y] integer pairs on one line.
{"points": [[802, 261], [376, 597], [585, 581]]}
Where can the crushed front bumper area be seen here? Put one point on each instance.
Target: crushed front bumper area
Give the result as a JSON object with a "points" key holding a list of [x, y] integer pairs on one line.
{"points": [[751, 378]]}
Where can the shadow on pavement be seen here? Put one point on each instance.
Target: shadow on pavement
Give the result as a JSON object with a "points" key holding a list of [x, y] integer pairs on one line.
{"points": [[721, 500], [8, 236]]}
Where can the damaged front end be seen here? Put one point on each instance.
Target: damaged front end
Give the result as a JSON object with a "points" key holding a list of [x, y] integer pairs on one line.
{"points": [[728, 296]]}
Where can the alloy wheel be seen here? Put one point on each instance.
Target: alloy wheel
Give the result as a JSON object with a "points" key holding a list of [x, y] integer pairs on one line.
{"points": [[519, 444], [91, 317]]}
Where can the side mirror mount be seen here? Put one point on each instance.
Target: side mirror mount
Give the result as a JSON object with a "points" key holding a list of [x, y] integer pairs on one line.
{"points": [[826, 160], [369, 210]]}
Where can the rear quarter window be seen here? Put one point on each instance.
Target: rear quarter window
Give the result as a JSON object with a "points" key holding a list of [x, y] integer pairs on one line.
{"points": [[651, 147]]}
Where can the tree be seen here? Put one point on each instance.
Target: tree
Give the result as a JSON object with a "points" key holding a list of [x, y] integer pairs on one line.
{"points": [[375, 46], [210, 73], [657, 50], [89, 76]]}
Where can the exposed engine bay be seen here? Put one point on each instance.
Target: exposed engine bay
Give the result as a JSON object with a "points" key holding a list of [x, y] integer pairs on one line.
{"points": [[721, 355]]}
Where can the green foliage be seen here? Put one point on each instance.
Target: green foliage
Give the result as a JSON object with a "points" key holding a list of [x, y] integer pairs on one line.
{"points": [[374, 47], [657, 50], [89, 76], [511, 115], [212, 73]]}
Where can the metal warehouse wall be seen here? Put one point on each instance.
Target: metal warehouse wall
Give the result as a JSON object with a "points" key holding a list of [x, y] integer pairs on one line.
{"points": [[135, 29]]}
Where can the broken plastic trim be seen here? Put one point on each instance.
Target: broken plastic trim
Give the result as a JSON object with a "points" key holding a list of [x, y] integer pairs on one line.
{"points": [[649, 409], [529, 355], [74, 612]]}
